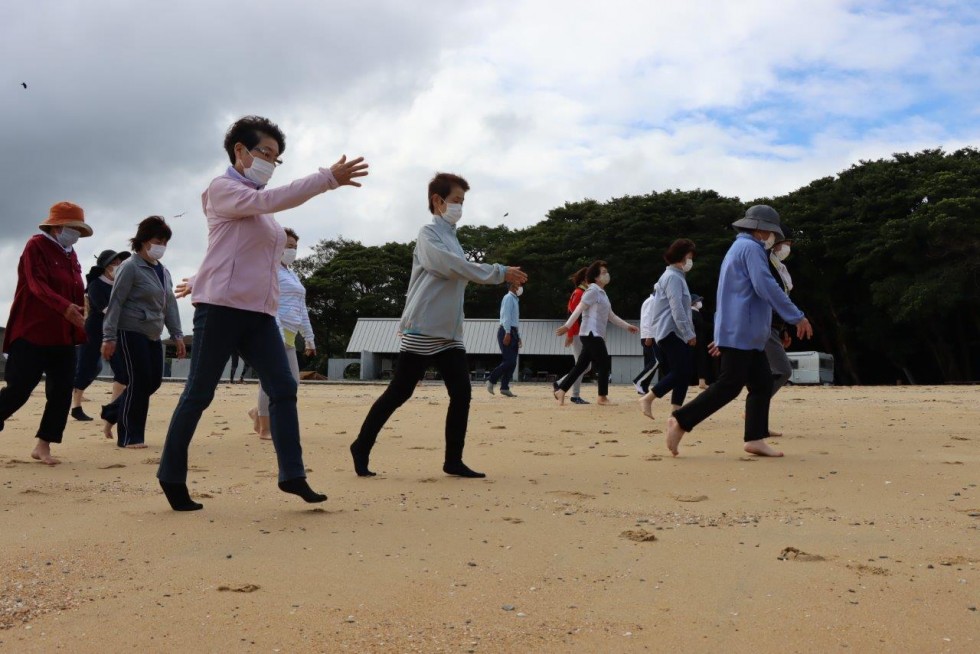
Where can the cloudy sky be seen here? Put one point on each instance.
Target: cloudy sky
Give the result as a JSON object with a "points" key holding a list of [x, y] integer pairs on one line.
{"points": [[535, 102]]}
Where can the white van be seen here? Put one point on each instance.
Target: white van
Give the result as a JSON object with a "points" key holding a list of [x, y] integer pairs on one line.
{"points": [[811, 368]]}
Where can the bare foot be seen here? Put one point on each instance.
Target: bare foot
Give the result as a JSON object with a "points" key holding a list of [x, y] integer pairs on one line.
{"points": [[136, 446], [42, 453], [674, 435], [253, 413], [107, 429], [265, 436], [775, 434], [646, 404], [761, 448], [605, 401], [703, 385], [560, 396]]}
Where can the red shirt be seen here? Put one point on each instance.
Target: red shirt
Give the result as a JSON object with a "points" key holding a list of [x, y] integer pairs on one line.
{"points": [[48, 280], [572, 303]]}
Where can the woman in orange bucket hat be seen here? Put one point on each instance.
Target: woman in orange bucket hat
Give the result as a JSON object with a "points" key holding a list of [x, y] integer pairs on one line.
{"points": [[46, 323]]}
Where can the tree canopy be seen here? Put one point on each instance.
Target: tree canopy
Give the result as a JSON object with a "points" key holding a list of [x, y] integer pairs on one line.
{"points": [[885, 263]]}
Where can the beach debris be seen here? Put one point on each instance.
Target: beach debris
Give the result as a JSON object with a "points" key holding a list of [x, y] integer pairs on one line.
{"points": [[638, 536], [690, 498], [794, 554], [508, 607], [244, 588]]}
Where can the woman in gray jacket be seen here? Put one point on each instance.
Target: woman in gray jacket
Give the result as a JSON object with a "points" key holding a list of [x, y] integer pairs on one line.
{"points": [[432, 325], [142, 302]]}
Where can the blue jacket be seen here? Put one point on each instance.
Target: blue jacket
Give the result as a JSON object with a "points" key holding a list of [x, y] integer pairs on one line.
{"points": [[510, 313], [747, 296]]}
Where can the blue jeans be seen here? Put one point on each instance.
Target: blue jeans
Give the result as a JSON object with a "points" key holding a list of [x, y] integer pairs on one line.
{"points": [[505, 370], [679, 357], [144, 366], [219, 331]]}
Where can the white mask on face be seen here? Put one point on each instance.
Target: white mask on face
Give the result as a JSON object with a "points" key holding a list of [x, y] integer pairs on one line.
{"points": [[768, 243], [519, 292], [688, 264], [260, 171], [156, 251], [68, 237], [783, 252], [452, 213], [289, 256], [605, 278], [697, 306]]}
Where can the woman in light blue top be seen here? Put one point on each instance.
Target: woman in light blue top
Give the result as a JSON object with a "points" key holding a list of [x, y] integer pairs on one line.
{"points": [[673, 327]]}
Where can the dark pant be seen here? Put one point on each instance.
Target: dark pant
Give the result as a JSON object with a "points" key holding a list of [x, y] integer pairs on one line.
{"points": [[88, 364], [219, 331], [679, 359], [410, 369], [26, 363], [782, 369], [650, 365], [505, 370], [143, 359], [739, 369], [593, 352]]}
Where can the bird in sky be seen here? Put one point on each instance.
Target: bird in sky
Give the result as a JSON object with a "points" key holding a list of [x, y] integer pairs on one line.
{"points": [[506, 214], [24, 84], [180, 214]]}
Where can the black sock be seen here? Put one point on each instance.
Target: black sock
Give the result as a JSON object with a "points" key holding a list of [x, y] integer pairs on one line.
{"points": [[360, 461], [179, 498], [78, 414], [460, 469], [299, 487]]}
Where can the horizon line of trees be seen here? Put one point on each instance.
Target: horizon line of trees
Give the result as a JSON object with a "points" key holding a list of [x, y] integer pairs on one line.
{"points": [[885, 263]]}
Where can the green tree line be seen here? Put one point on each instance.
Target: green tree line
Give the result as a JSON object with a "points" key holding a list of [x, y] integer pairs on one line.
{"points": [[885, 263]]}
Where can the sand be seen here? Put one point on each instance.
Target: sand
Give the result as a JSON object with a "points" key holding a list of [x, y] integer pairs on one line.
{"points": [[586, 536]]}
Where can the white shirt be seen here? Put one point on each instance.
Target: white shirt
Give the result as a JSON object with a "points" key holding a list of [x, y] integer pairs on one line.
{"points": [[596, 312], [293, 314], [646, 318]]}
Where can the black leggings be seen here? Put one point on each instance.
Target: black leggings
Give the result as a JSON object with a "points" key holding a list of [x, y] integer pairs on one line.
{"points": [[410, 370], [593, 352]]}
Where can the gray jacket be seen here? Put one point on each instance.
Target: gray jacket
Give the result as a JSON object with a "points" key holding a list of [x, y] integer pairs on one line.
{"points": [[140, 304], [440, 272]]}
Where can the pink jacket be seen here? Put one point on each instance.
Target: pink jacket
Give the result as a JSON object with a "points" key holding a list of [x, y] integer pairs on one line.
{"points": [[245, 243]]}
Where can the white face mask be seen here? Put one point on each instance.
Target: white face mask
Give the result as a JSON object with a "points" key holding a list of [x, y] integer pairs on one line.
{"points": [[260, 171], [519, 292], [453, 213], [604, 279], [68, 237], [156, 251], [783, 252], [289, 256], [688, 264], [769, 241], [697, 306]]}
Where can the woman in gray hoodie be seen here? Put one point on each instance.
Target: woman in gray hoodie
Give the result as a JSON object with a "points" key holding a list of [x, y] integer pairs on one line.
{"points": [[432, 325], [141, 304]]}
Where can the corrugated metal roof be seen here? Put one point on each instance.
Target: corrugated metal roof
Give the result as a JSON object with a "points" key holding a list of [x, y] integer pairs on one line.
{"points": [[380, 335]]}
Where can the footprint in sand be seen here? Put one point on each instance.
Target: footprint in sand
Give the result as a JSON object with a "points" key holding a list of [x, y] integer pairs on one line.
{"points": [[638, 536], [32, 491], [794, 554], [575, 495], [513, 521], [690, 498], [653, 457], [428, 480], [112, 465], [245, 588], [863, 569], [497, 427], [652, 431], [544, 454], [748, 459], [153, 460], [10, 463]]}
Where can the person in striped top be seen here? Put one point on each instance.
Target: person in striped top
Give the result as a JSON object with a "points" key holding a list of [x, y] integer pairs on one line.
{"points": [[431, 327], [294, 319]]}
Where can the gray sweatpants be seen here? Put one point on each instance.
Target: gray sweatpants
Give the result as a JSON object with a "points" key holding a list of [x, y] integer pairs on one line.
{"points": [[778, 361], [577, 349]]}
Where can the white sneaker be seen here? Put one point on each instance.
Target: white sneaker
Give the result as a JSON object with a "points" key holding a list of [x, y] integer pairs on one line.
{"points": [[490, 387]]}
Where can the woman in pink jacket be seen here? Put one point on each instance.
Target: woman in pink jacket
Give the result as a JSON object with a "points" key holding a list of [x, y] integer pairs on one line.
{"points": [[236, 294]]}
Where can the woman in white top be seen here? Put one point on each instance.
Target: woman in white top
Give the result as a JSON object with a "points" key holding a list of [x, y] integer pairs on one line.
{"points": [[596, 312], [293, 318]]}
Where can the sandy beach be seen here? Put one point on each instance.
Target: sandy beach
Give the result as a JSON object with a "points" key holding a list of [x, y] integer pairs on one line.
{"points": [[586, 536]]}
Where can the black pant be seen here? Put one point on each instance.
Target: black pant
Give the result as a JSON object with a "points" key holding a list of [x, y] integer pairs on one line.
{"points": [[594, 352], [679, 359], [26, 363], [739, 369], [143, 359], [649, 365], [505, 370], [410, 369]]}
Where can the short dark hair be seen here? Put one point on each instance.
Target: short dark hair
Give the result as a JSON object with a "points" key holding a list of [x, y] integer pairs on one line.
{"points": [[578, 276], [291, 234], [246, 131], [149, 228], [678, 250], [594, 270], [442, 185]]}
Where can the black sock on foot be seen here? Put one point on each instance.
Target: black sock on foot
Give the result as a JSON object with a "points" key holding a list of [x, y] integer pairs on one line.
{"points": [[460, 469], [299, 487], [78, 414], [179, 498], [360, 461]]}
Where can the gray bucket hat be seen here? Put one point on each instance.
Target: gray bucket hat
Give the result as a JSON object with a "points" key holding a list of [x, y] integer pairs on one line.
{"points": [[108, 256], [760, 216]]}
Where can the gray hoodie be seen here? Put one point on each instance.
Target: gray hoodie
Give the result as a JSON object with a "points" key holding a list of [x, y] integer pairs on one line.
{"points": [[440, 272], [140, 304]]}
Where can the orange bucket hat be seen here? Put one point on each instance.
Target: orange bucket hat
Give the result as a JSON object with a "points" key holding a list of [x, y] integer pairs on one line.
{"points": [[66, 214]]}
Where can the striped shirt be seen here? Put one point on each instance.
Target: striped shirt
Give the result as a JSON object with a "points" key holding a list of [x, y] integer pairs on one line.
{"points": [[292, 315], [428, 345]]}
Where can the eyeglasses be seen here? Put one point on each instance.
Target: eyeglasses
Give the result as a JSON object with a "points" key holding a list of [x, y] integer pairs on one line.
{"points": [[265, 152]]}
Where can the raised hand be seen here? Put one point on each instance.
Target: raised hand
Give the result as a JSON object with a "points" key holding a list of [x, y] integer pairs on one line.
{"points": [[515, 275], [345, 172]]}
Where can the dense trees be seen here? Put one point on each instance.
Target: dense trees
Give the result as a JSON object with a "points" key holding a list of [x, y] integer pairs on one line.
{"points": [[886, 263]]}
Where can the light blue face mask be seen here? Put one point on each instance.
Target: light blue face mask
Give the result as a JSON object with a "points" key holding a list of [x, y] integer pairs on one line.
{"points": [[68, 237]]}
